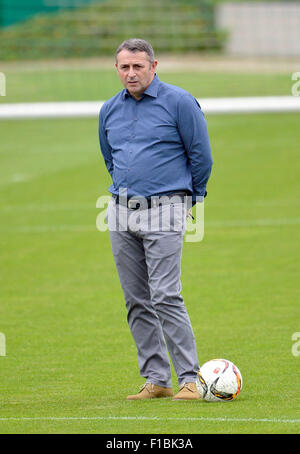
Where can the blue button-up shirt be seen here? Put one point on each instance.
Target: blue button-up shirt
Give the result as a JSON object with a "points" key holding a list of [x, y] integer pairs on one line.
{"points": [[156, 145]]}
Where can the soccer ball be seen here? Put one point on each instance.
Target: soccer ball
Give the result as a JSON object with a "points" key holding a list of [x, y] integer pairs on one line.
{"points": [[219, 379]]}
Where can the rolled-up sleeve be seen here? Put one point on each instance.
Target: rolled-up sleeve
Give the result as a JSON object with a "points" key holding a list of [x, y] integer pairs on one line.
{"points": [[194, 135], [104, 145]]}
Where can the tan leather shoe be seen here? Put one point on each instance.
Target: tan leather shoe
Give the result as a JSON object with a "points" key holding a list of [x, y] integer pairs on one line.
{"points": [[151, 391], [188, 391]]}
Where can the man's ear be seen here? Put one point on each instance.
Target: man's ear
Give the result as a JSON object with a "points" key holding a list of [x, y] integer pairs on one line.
{"points": [[154, 65]]}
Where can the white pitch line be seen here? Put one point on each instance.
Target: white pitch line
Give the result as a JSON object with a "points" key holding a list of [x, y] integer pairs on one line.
{"points": [[255, 104], [151, 418]]}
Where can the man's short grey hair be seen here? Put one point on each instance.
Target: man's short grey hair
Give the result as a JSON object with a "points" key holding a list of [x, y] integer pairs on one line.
{"points": [[137, 45]]}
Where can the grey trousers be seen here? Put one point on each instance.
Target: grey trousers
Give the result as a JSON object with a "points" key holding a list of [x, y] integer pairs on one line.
{"points": [[148, 261]]}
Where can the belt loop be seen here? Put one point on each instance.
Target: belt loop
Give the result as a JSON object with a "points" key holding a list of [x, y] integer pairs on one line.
{"points": [[154, 202]]}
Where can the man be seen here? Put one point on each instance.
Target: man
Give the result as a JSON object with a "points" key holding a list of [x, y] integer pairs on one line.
{"points": [[155, 144]]}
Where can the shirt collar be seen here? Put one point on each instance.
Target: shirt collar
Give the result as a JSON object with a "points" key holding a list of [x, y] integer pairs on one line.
{"points": [[152, 90]]}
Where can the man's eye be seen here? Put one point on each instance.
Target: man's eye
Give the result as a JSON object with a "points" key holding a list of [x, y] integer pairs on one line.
{"points": [[135, 67]]}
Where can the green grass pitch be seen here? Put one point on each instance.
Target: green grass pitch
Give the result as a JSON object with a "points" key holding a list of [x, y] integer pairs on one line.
{"points": [[70, 359]]}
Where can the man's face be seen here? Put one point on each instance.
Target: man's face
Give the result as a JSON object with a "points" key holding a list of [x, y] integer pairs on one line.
{"points": [[135, 71]]}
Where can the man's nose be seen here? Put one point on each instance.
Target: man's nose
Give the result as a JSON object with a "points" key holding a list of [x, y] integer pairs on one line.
{"points": [[131, 72]]}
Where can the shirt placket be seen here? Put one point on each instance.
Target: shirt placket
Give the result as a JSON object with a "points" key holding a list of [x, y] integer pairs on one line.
{"points": [[132, 138]]}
